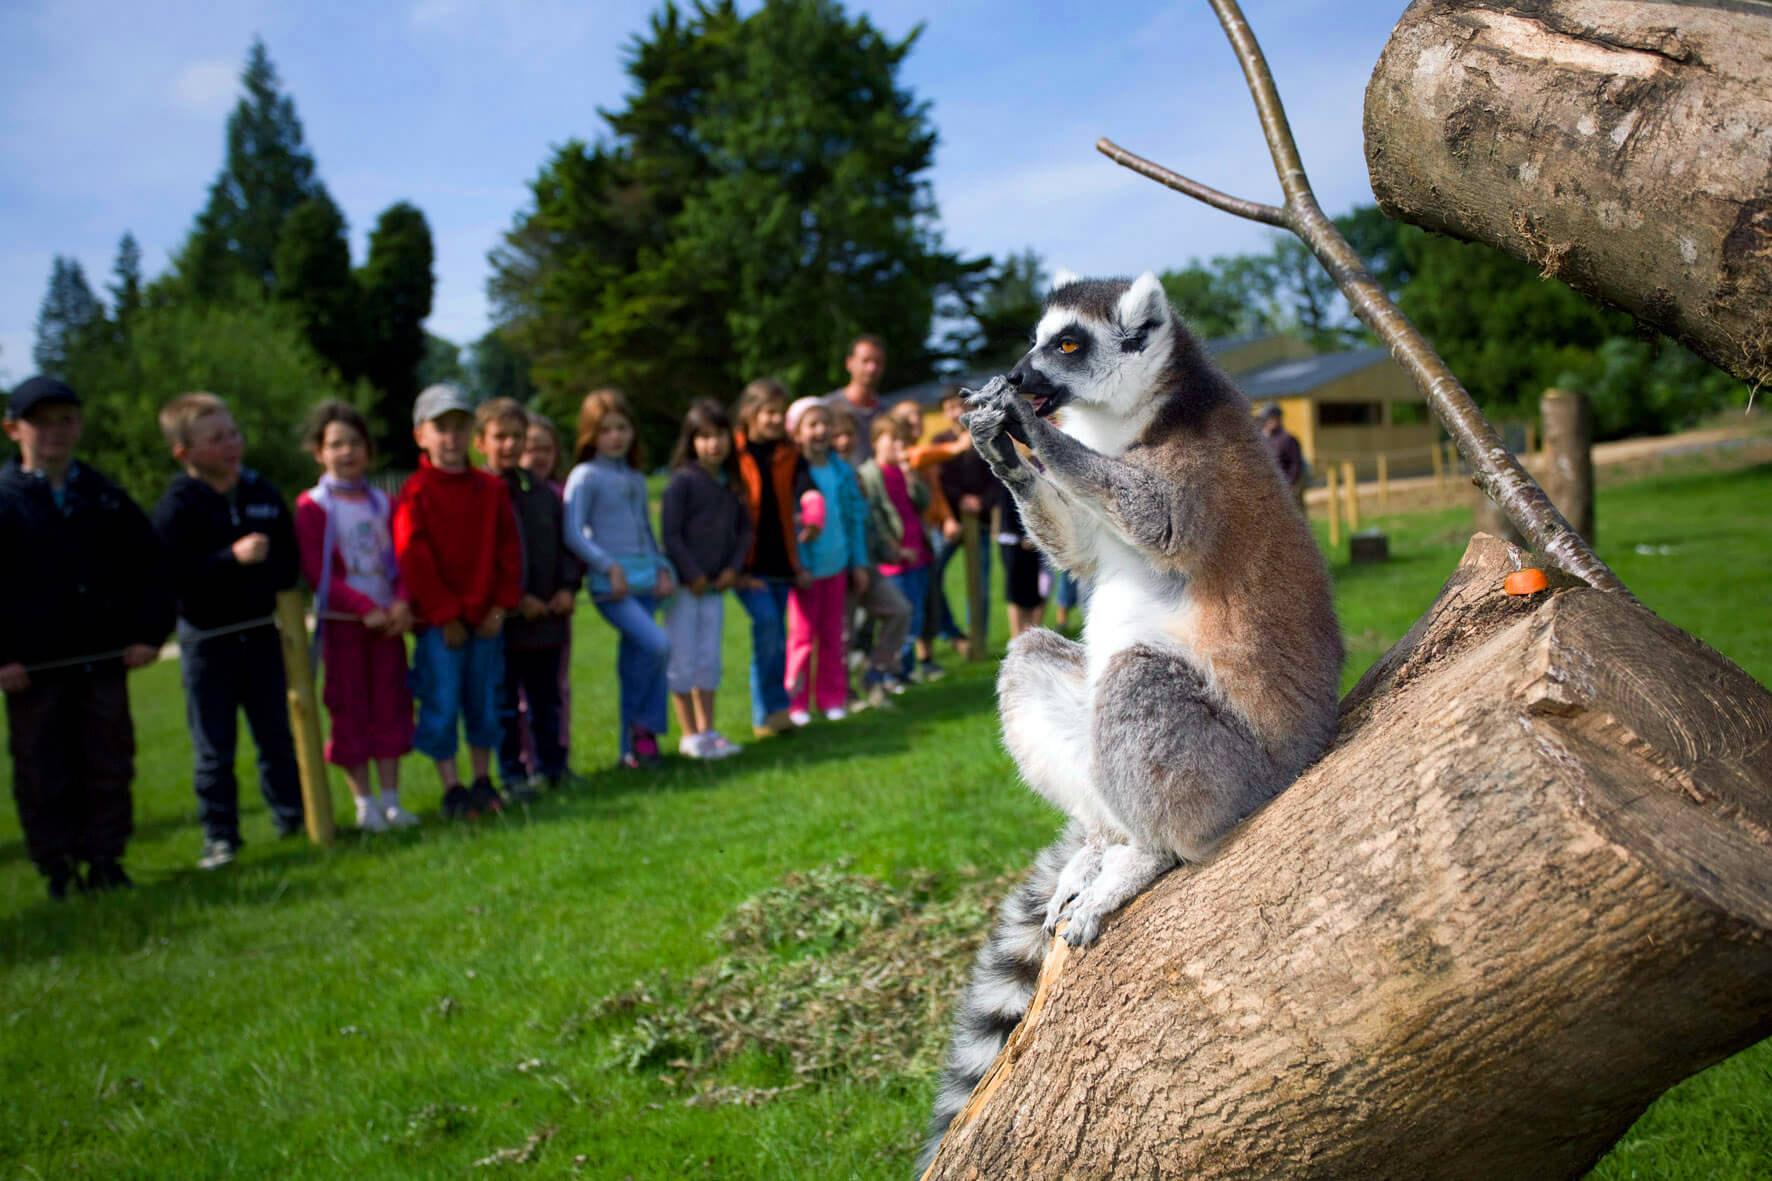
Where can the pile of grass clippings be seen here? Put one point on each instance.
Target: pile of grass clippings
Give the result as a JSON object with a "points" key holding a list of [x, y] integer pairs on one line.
{"points": [[828, 975]]}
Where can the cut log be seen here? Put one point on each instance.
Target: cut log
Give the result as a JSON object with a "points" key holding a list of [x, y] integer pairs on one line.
{"points": [[1527, 890], [1622, 146]]}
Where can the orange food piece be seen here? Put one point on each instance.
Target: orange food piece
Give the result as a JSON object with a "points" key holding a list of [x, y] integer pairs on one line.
{"points": [[1525, 582]]}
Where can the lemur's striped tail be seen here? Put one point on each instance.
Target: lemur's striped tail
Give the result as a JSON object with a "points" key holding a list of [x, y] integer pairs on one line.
{"points": [[1003, 980]]}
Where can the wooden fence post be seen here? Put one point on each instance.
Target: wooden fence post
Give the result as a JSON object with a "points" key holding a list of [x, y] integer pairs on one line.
{"points": [[1349, 477], [1569, 455], [977, 622], [304, 717], [1384, 484], [1334, 506], [1433, 451]]}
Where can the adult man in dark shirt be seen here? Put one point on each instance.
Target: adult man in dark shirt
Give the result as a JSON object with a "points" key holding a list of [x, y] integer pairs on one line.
{"points": [[1287, 454], [866, 365]]}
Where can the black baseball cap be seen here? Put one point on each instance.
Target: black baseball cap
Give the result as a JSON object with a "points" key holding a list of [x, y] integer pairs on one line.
{"points": [[37, 391]]}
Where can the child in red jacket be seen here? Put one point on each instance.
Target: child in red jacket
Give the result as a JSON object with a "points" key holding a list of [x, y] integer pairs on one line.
{"points": [[344, 529], [455, 536]]}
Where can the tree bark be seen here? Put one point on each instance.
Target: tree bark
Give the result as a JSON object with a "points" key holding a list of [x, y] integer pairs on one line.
{"points": [[1527, 890], [1622, 146]]}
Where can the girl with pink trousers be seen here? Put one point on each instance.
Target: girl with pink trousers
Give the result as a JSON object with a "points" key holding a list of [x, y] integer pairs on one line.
{"points": [[833, 552], [360, 614]]}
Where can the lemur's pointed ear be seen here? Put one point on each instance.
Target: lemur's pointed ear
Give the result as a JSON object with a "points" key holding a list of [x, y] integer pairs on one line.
{"points": [[1143, 302], [1063, 278]]}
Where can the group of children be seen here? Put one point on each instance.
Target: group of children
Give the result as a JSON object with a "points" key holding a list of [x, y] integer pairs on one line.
{"points": [[482, 565]]}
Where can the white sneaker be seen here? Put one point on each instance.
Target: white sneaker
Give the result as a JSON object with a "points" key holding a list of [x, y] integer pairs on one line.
{"points": [[835, 714], [799, 717], [693, 746], [370, 818], [399, 817], [719, 746]]}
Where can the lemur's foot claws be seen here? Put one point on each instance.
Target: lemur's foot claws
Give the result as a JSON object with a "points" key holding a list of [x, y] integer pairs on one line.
{"points": [[1084, 929], [1055, 912]]}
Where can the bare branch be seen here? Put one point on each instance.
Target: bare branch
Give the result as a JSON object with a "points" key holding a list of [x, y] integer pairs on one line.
{"points": [[1494, 468], [1273, 215]]}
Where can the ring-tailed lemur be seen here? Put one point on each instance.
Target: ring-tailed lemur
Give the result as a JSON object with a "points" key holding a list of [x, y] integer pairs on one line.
{"points": [[1206, 679]]}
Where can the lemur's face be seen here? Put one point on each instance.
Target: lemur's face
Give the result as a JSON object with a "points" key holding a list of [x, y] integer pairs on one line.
{"points": [[1100, 343]]}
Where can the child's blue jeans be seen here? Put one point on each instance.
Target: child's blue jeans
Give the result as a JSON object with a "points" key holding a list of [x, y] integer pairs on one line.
{"points": [[641, 659], [462, 683], [768, 608]]}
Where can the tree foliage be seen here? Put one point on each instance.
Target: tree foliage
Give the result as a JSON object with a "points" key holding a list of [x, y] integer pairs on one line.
{"points": [[758, 202], [251, 352], [68, 314], [313, 266], [267, 174], [397, 285], [995, 312]]}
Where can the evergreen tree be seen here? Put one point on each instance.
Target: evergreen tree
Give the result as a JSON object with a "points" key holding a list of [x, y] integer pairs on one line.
{"points": [[761, 201], [396, 285], [66, 319], [126, 285], [267, 174], [313, 267]]}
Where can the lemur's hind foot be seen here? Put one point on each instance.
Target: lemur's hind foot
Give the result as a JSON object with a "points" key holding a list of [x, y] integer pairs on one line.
{"points": [[1125, 871], [1076, 876]]}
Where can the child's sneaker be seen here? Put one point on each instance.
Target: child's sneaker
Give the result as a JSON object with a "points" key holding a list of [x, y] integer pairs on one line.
{"points": [[932, 671], [369, 816], [457, 803], [565, 779], [835, 714], [800, 717], [718, 746], [218, 852], [398, 817], [107, 874], [523, 791], [691, 746], [645, 747], [483, 798]]}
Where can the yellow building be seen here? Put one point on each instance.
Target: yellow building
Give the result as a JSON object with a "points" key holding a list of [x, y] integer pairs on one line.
{"points": [[1354, 406]]}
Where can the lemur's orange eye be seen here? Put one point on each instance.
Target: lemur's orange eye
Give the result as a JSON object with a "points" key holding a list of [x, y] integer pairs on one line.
{"points": [[1067, 345]]}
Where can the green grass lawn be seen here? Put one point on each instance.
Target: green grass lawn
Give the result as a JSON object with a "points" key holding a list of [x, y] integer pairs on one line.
{"points": [[618, 982]]}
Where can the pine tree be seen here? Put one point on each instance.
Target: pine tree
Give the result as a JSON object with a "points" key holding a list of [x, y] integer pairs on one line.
{"points": [[66, 319], [313, 267], [267, 174], [126, 284], [396, 285]]}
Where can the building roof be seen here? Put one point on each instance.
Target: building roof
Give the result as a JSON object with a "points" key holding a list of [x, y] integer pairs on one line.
{"points": [[1287, 379]]}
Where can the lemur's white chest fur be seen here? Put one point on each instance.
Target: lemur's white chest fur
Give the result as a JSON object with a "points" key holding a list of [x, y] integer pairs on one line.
{"points": [[1130, 601]]}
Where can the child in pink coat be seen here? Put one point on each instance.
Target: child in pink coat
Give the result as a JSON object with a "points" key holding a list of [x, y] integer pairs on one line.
{"points": [[360, 613]]}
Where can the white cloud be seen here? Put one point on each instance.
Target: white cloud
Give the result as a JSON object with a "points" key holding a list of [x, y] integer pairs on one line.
{"points": [[206, 88]]}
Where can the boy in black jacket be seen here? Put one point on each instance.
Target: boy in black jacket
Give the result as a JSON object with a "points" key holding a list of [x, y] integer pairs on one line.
{"points": [[231, 542], [536, 633], [95, 602]]}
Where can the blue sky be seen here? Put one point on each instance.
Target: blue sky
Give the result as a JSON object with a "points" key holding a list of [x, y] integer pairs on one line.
{"points": [[112, 116]]}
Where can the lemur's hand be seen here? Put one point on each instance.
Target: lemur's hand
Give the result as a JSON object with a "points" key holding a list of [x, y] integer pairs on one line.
{"points": [[991, 419]]}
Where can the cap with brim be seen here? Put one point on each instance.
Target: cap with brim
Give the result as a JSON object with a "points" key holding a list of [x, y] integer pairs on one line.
{"points": [[38, 391], [437, 400]]}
